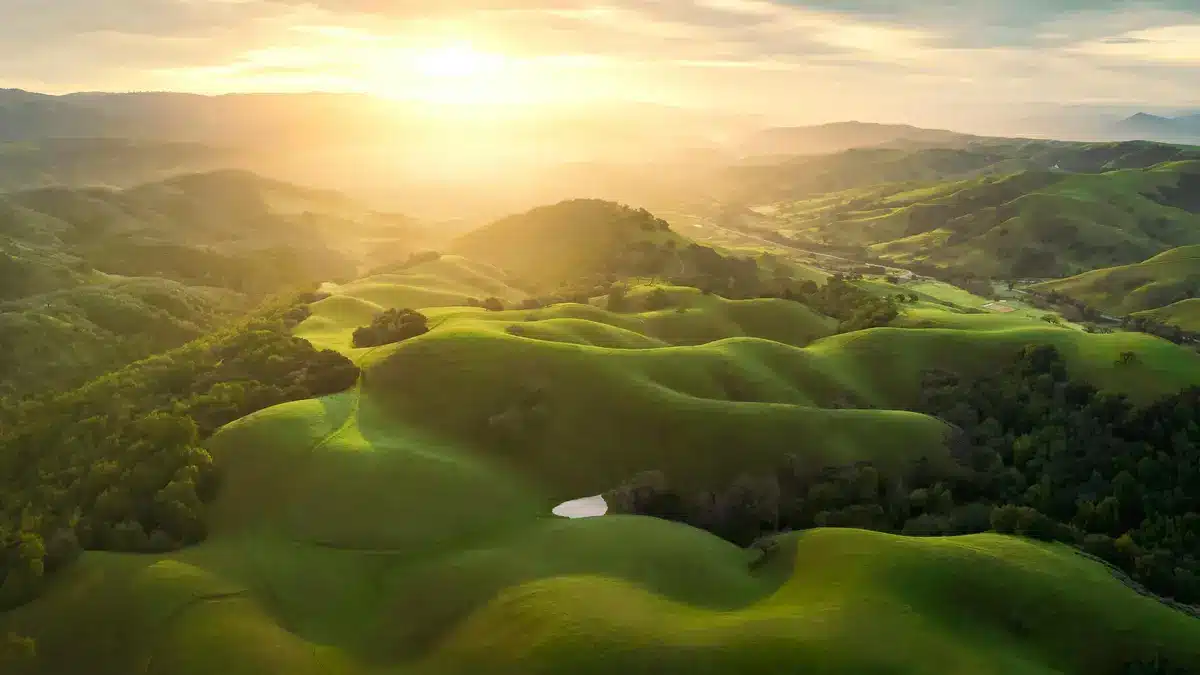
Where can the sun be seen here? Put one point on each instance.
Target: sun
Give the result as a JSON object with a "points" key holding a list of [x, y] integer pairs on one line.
{"points": [[458, 61]]}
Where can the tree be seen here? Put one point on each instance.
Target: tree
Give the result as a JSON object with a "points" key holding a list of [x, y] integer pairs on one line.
{"points": [[394, 325], [493, 304], [656, 300], [1127, 358], [616, 298]]}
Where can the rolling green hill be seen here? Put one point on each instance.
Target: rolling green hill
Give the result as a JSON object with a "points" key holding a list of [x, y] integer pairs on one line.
{"points": [[91, 279], [404, 526], [1161, 287], [1185, 314], [920, 164], [1026, 224], [569, 240]]}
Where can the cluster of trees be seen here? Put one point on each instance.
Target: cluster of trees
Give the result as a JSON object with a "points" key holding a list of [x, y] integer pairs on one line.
{"points": [[494, 304], [117, 463], [394, 325], [617, 300], [1037, 454], [855, 308]]}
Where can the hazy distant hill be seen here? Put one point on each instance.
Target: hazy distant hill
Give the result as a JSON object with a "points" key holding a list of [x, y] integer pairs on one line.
{"points": [[840, 136], [801, 177], [112, 162], [1184, 129], [226, 120]]}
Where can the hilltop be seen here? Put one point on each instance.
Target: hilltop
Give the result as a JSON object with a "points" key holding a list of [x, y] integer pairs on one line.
{"points": [[1156, 127], [571, 239]]}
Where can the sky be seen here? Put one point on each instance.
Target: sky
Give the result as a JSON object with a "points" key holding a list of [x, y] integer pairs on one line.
{"points": [[808, 60]]}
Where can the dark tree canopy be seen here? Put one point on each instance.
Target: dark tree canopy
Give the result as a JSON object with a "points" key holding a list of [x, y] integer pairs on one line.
{"points": [[118, 464], [394, 325], [1038, 455]]}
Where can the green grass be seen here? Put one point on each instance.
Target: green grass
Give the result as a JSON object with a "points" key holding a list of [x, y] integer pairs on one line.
{"points": [[856, 602], [404, 527], [692, 319], [1028, 223], [1185, 314], [1165, 279], [447, 282], [888, 361]]}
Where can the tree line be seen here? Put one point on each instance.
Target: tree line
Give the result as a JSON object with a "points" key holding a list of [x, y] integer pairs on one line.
{"points": [[1140, 324]]}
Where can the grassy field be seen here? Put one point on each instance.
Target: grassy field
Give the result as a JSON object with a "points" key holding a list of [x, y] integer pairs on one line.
{"points": [[404, 527]]}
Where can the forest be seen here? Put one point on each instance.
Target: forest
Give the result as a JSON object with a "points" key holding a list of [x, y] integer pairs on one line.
{"points": [[1038, 454], [118, 464]]}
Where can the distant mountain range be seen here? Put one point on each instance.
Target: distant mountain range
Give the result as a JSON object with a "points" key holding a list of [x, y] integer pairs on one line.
{"points": [[1144, 126]]}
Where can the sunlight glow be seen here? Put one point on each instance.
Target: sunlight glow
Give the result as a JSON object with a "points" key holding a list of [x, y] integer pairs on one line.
{"points": [[458, 61]]}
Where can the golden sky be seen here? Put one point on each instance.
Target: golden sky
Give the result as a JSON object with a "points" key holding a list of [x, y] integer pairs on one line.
{"points": [[810, 61]]}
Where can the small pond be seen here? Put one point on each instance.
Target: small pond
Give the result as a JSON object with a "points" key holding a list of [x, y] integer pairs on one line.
{"points": [[588, 507]]}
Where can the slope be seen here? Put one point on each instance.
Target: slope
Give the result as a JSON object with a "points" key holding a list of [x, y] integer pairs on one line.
{"points": [[1028, 224], [1165, 279], [91, 279], [569, 240]]}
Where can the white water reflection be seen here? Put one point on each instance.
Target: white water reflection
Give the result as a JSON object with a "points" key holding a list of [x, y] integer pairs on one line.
{"points": [[588, 507]]}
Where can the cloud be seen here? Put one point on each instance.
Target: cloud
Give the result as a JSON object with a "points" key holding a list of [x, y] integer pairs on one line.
{"points": [[811, 58]]}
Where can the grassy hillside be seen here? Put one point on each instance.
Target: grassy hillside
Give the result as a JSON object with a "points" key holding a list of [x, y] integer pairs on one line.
{"points": [[1026, 224], [1166, 279], [1185, 314], [484, 581], [569, 240], [404, 526], [918, 163], [91, 279]]}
